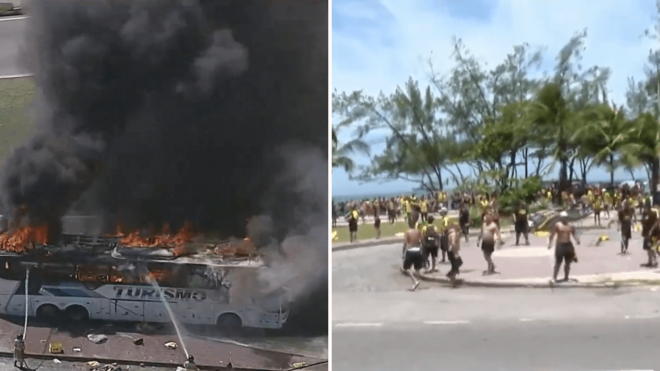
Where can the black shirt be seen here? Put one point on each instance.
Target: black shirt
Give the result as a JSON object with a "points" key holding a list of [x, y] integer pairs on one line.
{"points": [[464, 216], [521, 216]]}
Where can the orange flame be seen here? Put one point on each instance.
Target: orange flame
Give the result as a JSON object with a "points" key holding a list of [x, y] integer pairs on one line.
{"points": [[18, 239], [163, 239]]}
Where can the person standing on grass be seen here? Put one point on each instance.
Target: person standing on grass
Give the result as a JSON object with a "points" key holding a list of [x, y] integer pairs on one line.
{"points": [[424, 209], [413, 256], [377, 226], [391, 211], [490, 234], [353, 218], [564, 249], [334, 214]]}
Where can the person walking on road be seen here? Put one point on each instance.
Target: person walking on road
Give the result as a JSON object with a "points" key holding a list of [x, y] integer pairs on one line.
{"points": [[431, 242], [413, 256], [353, 218], [626, 216], [490, 234], [454, 239], [564, 249]]}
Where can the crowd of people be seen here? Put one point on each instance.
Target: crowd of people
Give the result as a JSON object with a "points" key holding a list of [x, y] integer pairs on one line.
{"points": [[429, 239]]}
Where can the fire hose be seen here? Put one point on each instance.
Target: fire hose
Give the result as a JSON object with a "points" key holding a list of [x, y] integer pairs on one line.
{"points": [[27, 278]]}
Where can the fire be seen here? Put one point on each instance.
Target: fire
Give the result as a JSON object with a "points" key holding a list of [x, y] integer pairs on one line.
{"points": [[163, 239], [18, 239]]}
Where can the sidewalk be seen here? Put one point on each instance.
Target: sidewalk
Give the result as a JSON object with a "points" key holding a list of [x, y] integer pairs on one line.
{"points": [[599, 264], [120, 347]]}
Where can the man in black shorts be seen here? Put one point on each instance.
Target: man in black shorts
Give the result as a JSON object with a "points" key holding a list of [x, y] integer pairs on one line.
{"points": [[490, 233], [651, 234], [353, 217], [413, 256], [626, 216], [564, 250], [431, 242], [521, 223], [464, 220], [443, 223]]}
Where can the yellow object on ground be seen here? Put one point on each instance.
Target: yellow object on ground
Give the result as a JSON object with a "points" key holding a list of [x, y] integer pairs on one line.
{"points": [[603, 238], [334, 236], [56, 348], [638, 227], [541, 234]]}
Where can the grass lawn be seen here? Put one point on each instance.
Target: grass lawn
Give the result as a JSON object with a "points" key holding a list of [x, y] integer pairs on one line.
{"points": [[15, 123], [367, 231]]}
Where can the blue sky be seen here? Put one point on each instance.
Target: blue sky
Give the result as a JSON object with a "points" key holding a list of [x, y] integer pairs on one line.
{"points": [[378, 44]]}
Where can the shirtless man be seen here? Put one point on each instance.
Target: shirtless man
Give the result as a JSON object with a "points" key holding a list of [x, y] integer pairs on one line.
{"points": [[431, 242], [651, 234], [413, 256], [564, 250], [454, 238], [487, 238], [626, 216]]}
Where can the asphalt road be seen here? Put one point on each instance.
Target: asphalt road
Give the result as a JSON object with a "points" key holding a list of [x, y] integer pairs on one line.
{"points": [[11, 38], [379, 325]]}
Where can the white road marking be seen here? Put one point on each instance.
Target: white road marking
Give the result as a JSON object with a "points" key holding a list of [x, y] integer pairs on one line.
{"points": [[367, 324], [642, 317], [13, 18], [526, 319], [459, 322], [16, 76]]}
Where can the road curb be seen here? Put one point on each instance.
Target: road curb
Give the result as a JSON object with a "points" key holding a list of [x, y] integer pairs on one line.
{"points": [[393, 240], [540, 285], [9, 77]]}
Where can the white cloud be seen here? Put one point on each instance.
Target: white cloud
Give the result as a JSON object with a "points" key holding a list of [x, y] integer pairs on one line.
{"points": [[391, 47]]}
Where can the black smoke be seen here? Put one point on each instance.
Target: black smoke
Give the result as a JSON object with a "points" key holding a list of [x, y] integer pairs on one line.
{"points": [[153, 112]]}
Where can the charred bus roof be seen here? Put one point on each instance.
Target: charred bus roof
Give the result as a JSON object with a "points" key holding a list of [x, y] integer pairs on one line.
{"points": [[81, 249]]}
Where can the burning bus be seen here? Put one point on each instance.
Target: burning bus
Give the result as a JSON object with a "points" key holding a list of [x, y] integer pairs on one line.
{"points": [[101, 278]]}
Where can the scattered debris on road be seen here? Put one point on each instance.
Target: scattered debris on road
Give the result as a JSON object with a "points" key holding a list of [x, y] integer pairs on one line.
{"points": [[171, 345], [97, 339]]}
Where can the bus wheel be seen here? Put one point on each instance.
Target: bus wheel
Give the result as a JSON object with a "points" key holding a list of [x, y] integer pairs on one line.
{"points": [[49, 313], [230, 322], [77, 313]]}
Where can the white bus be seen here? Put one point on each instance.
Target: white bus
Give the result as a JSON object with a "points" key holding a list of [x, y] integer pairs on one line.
{"points": [[76, 287]]}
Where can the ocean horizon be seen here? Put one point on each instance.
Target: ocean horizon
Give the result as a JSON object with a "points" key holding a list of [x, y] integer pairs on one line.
{"points": [[375, 194]]}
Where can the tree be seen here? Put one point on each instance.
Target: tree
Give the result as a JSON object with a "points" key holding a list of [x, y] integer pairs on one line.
{"points": [[603, 134], [413, 143], [340, 153]]}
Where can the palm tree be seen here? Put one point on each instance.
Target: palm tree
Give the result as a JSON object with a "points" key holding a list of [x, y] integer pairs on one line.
{"points": [[603, 133], [341, 152], [550, 116], [645, 145]]}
